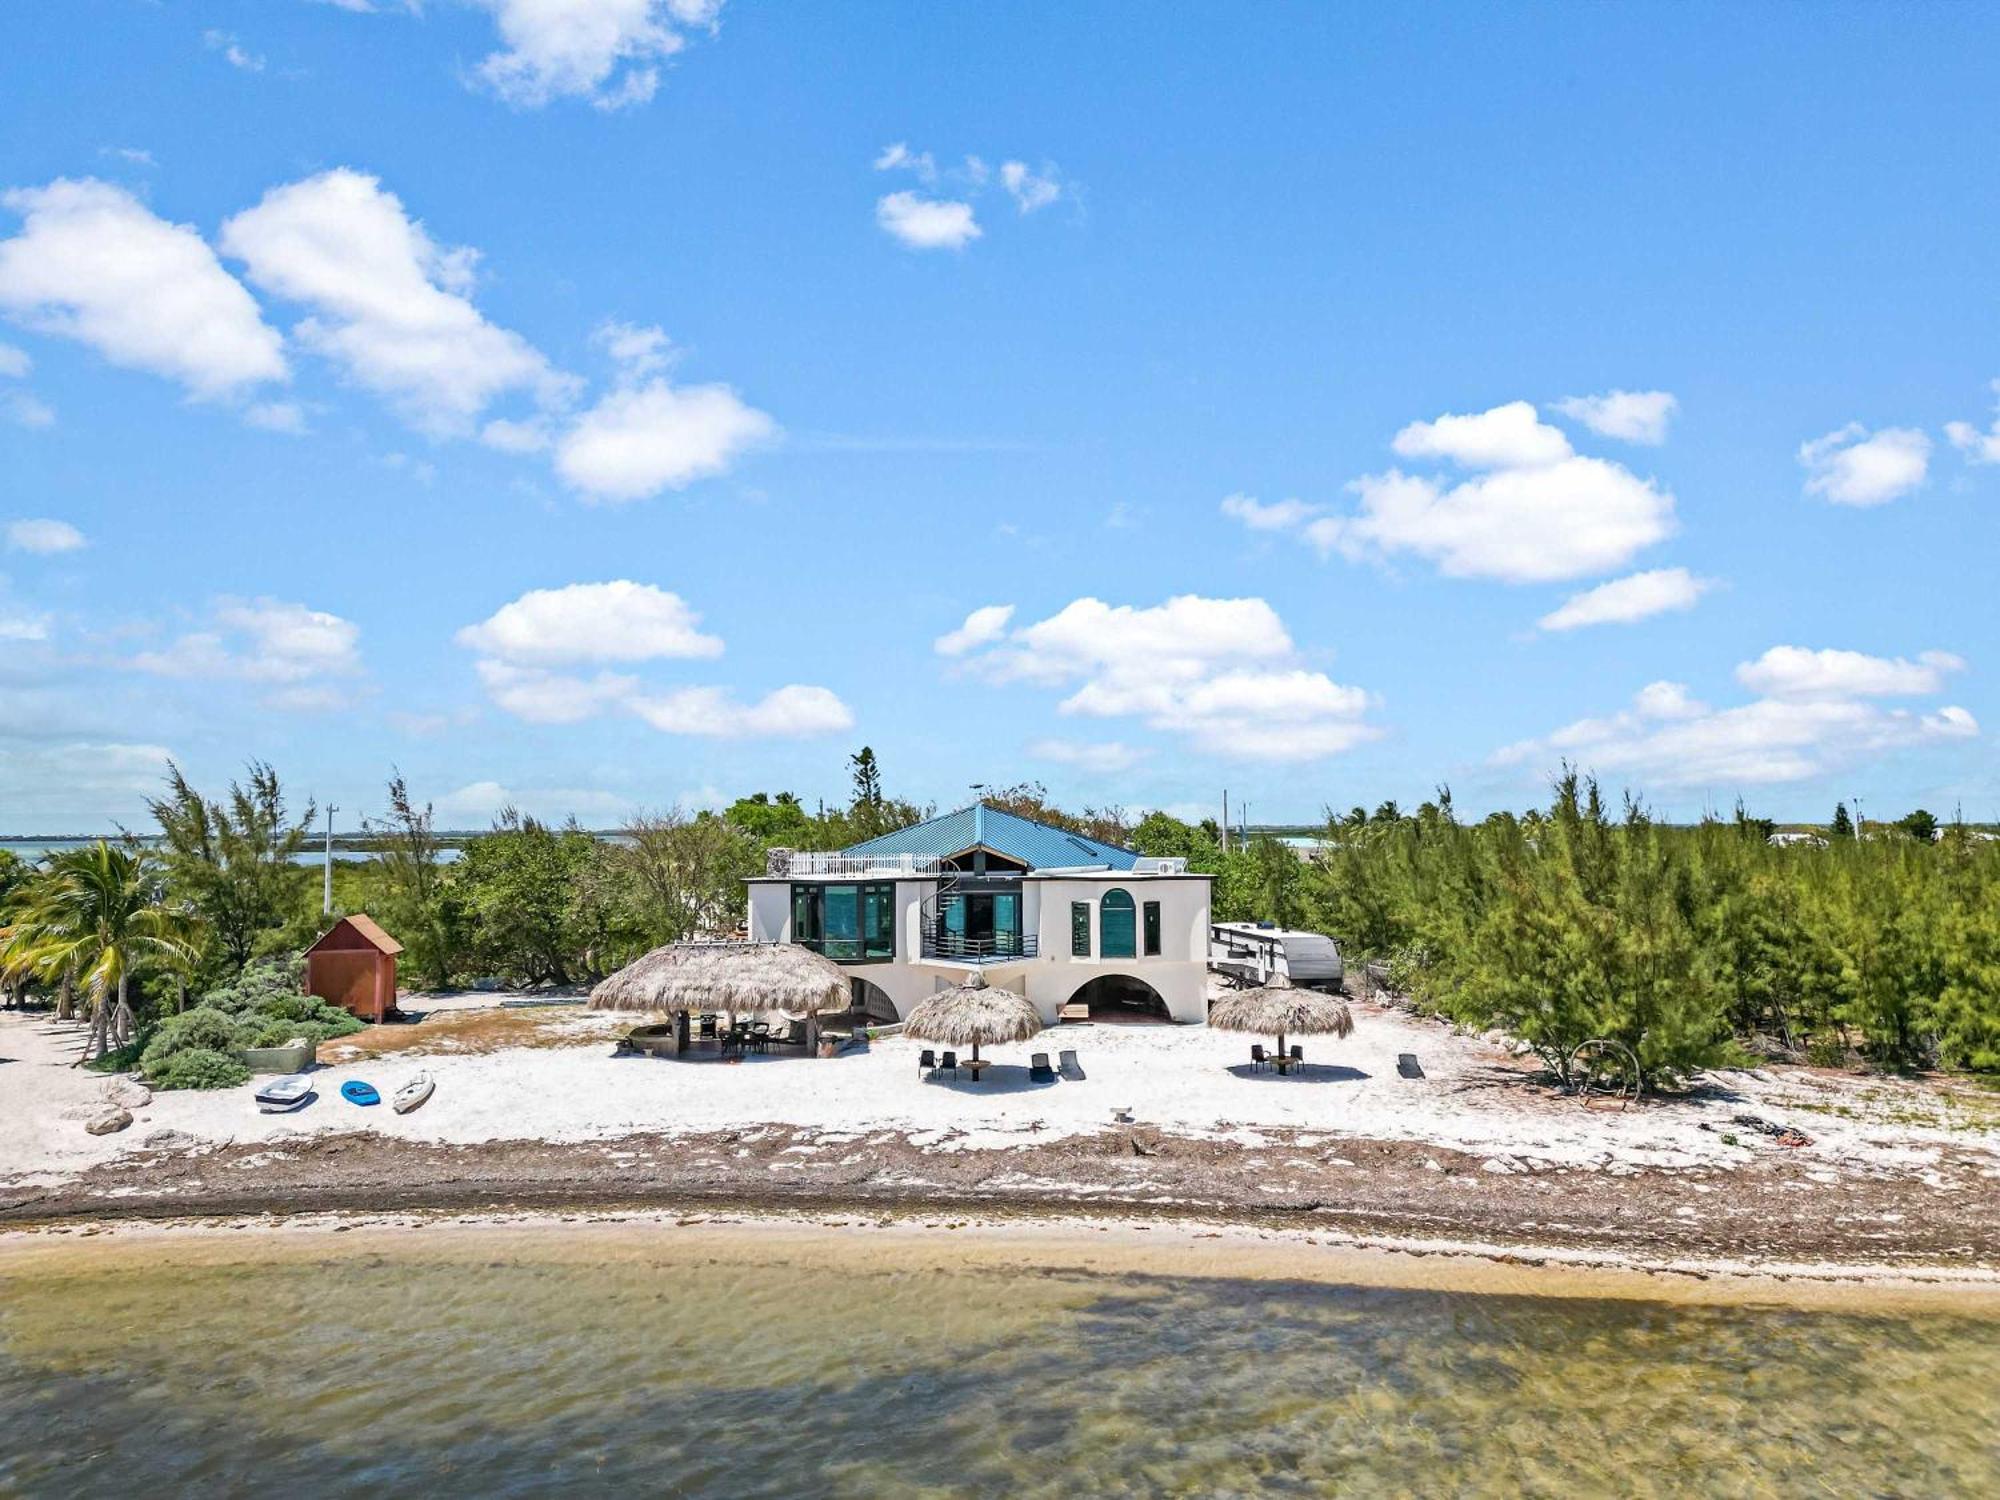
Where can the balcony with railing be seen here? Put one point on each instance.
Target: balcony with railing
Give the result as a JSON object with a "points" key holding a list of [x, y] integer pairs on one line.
{"points": [[801, 864], [993, 948]]}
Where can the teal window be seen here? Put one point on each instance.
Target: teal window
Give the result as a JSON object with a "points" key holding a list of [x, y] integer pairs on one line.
{"points": [[1116, 935], [1079, 929], [846, 922], [1152, 912]]}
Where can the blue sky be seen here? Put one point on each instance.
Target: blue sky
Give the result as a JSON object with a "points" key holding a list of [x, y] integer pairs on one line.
{"points": [[602, 404]]}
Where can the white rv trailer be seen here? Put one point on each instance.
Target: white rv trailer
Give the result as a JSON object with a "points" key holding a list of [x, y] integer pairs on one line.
{"points": [[1251, 952]]}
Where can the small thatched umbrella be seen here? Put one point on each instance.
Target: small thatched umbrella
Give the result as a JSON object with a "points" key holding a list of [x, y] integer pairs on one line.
{"points": [[1278, 1008], [737, 978], [967, 1014]]}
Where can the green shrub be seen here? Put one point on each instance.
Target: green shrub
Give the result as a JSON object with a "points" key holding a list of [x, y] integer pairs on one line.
{"points": [[200, 1029], [199, 1068]]}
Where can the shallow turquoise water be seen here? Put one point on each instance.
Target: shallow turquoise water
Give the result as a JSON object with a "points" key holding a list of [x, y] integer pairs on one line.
{"points": [[484, 1370]]}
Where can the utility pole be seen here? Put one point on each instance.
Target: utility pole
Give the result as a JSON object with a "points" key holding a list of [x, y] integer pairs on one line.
{"points": [[326, 901], [1857, 820], [1225, 820]]}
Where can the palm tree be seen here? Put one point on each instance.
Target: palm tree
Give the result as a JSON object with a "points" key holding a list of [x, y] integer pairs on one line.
{"points": [[95, 914]]}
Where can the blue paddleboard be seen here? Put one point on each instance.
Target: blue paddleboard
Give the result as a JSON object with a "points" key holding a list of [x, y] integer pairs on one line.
{"points": [[354, 1091]]}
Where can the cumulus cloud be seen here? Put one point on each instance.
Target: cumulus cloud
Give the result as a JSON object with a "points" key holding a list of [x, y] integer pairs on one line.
{"points": [[43, 536], [1030, 190], [389, 305], [1221, 674], [1816, 714], [606, 51], [1622, 601], [522, 645], [1628, 416], [1852, 466], [900, 158], [233, 51], [982, 627], [93, 264], [1979, 446], [641, 439], [588, 622], [1532, 509], [1279, 515], [294, 652], [927, 223], [1796, 672]]}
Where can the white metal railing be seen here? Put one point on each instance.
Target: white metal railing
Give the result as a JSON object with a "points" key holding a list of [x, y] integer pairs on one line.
{"points": [[801, 863]]}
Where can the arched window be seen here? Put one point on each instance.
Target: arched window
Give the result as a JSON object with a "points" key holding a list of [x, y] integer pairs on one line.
{"points": [[1116, 937]]}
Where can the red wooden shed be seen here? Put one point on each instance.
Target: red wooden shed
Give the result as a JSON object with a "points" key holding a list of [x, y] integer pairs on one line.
{"points": [[354, 967]]}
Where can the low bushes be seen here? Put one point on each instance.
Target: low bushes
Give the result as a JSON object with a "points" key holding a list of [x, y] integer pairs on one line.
{"points": [[261, 1007]]}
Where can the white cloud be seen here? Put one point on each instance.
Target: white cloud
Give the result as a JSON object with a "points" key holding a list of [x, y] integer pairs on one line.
{"points": [[26, 410], [233, 52], [277, 416], [606, 51], [14, 363], [1534, 511], [508, 436], [15, 627], [484, 800], [95, 265], [635, 350], [927, 223], [1099, 756], [1978, 447], [132, 155], [1851, 466], [1219, 673], [623, 621], [791, 712], [42, 535], [982, 627], [1030, 190], [1796, 672], [592, 622], [900, 157], [1814, 716], [1280, 515], [639, 440], [1638, 596], [1628, 416], [1507, 437], [290, 650], [389, 304]]}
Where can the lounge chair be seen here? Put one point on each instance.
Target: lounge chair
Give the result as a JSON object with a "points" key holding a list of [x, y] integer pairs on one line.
{"points": [[949, 1061], [1257, 1057], [1039, 1070], [1408, 1066], [927, 1061], [1069, 1067]]}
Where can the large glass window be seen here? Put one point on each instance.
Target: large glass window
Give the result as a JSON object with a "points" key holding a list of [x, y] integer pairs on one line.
{"points": [[1116, 937], [846, 922], [1152, 912], [1079, 929]]}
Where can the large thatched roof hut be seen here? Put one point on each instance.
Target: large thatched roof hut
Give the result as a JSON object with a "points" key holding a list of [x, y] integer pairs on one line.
{"points": [[1280, 1010], [967, 1014], [739, 978]]}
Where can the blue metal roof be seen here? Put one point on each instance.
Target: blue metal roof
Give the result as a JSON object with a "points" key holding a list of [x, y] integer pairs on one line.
{"points": [[1036, 845]]}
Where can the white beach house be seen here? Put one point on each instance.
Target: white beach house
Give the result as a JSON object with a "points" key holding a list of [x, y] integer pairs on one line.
{"points": [[1062, 919]]}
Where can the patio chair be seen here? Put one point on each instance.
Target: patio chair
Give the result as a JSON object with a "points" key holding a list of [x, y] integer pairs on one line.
{"points": [[1257, 1057], [1069, 1067], [927, 1061], [707, 1024], [1039, 1070], [1298, 1056], [949, 1061]]}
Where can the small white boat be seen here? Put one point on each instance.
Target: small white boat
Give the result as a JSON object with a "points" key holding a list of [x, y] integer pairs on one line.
{"points": [[283, 1095], [412, 1094]]}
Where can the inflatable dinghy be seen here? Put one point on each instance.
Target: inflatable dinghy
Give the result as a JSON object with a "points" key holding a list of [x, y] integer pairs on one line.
{"points": [[413, 1094], [354, 1091], [283, 1095]]}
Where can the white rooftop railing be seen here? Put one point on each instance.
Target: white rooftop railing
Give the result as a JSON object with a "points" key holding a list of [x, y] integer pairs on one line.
{"points": [[908, 865]]}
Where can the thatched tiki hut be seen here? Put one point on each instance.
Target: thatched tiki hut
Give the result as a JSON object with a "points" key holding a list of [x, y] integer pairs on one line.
{"points": [[1278, 1009], [967, 1014], [739, 979]]}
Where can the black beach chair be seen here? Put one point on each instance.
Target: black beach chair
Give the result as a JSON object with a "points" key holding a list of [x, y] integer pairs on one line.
{"points": [[1257, 1057], [949, 1061], [1298, 1057], [1069, 1067], [927, 1061], [1408, 1066], [1039, 1070]]}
